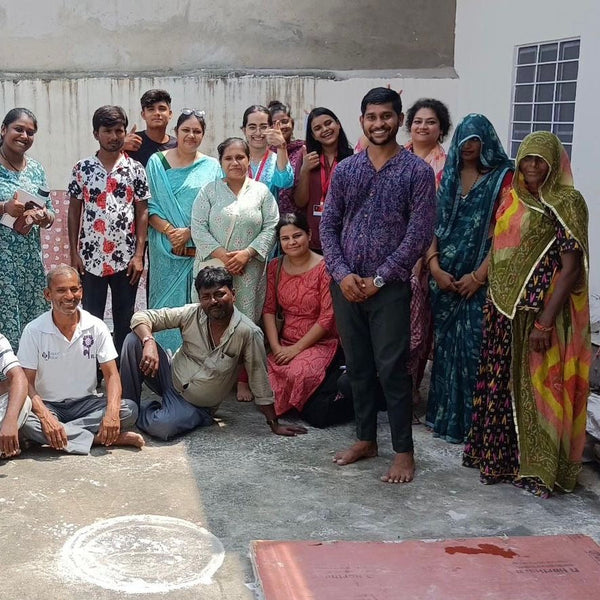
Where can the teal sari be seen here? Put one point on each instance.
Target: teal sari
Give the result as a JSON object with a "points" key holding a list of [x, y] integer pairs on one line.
{"points": [[464, 238], [173, 193]]}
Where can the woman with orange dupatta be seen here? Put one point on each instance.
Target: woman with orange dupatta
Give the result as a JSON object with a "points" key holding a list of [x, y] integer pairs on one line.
{"points": [[529, 407]]}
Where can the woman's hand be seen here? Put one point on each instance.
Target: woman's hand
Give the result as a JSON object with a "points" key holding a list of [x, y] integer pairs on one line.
{"points": [[236, 261], [179, 236], [466, 286], [540, 341], [285, 354], [444, 280], [275, 137], [13, 207], [310, 160]]}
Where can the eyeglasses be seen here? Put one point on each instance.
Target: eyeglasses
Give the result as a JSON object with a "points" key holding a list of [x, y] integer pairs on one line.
{"points": [[253, 128], [200, 114]]}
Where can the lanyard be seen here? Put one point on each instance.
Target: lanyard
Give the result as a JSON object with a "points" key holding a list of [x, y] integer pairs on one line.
{"points": [[263, 162], [326, 174]]}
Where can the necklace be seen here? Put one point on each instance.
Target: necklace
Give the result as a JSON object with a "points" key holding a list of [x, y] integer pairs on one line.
{"points": [[465, 194], [8, 161]]}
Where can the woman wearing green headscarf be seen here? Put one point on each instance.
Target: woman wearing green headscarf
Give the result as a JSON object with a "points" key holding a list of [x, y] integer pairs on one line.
{"points": [[476, 175], [529, 408]]}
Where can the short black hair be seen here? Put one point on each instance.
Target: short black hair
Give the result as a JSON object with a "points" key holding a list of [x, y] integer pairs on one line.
{"points": [[381, 95], [296, 219], [438, 107], [228, 142], [153, 96], [109, 116], [213, 277]]}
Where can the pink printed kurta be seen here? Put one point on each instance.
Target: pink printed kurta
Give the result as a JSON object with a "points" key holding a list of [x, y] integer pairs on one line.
{"points": [[305, 300]]}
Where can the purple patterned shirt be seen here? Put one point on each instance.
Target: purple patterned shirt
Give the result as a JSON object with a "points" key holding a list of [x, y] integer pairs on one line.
{"points": [[378, 222]]}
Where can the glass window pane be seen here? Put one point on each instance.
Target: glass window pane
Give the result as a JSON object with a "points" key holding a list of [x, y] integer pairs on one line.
{"points": [[524, 93], [522, 112], [514, 148], [520, 130], [542, 112], [567, 70], [548, 53], [569, 50], [546, 72], [568, 149], [527, 55], [525, 74], [566, 91], [565, 112], [544, 92], [564, 132], [542, 127]]}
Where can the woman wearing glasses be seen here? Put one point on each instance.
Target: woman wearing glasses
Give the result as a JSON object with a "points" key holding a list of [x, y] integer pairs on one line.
{"points": [[271, 168], [175, 178]]}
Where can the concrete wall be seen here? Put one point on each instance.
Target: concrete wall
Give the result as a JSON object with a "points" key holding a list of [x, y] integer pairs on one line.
{"points": [[117, 36], [486, 35]]}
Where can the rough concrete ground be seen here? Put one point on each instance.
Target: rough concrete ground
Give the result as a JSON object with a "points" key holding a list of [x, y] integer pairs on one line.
{"points": [[242, 483]]}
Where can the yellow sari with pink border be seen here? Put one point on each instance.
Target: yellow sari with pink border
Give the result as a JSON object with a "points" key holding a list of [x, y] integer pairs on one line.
{"points": [[549, 390]]}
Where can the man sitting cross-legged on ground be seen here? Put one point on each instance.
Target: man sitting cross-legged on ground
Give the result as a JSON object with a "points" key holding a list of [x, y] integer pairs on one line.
{"points": [[14, 403], [204, 371], [59, 352]]}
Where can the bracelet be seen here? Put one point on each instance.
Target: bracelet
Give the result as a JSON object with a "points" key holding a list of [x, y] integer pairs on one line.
{"points": [[167, 227], [272, 423], [432, 255], [147, 339], [542, 328], [476, 279]]}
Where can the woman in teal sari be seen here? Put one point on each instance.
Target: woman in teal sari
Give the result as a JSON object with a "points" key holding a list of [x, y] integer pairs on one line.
{"points": [[476, 175], [175, 176]]}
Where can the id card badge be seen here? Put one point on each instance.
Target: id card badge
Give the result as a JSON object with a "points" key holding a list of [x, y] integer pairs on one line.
{"points": [[317, 210]]}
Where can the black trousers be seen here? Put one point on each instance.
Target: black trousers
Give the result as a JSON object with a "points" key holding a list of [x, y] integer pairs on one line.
{"points": [[375, 336], [95, 290]]}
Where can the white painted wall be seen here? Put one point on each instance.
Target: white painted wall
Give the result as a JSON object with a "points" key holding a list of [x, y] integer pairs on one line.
{"points": [[486, 35]]}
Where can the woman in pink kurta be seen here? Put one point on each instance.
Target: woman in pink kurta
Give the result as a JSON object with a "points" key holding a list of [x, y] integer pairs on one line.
{"points": [[303, 352]]}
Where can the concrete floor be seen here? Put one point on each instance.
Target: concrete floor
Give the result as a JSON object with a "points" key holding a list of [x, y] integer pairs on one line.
{"points": [[241, 483]]}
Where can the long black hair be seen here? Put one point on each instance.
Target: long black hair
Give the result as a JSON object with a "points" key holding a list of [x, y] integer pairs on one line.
{"points": [[343, 150]]}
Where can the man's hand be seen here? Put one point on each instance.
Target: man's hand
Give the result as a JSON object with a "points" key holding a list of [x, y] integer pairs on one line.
{"points": [[133, 141], [77, 263], [288, 430], [353, 288], [135, 268], [370, 288], [236, 261], [149, 362], [285, 354], [54, 431], [9, 439], [109, 430]]}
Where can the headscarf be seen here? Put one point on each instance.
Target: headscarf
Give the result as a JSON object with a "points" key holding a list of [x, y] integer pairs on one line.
{"points": [[492, 157], [523, 232]]}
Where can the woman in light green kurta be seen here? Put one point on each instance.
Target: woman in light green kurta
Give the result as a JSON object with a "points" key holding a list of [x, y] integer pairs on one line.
{"points": [[233, 220]]}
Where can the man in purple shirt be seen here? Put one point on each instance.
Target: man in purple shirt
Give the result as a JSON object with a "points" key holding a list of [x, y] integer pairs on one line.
{"points": [[378, 220]]}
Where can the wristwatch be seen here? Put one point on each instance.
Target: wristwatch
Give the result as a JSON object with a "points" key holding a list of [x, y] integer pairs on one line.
{"points": [[378, 281]]}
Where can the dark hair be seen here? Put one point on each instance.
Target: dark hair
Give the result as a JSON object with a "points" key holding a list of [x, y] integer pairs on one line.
{"points": [[381, 95], [276, 106], [109, 116], [296, 219], [343, 150], [16, 113], [153, 96], [228, 142], [213, 277], [256, 108], [440, 110], [184, 117]]}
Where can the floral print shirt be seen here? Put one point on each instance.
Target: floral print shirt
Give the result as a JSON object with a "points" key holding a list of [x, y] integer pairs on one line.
{"points": [[107, 239]]}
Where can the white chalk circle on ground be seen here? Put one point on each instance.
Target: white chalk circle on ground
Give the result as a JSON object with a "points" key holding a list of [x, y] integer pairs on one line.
{"points": [[142, 554]]}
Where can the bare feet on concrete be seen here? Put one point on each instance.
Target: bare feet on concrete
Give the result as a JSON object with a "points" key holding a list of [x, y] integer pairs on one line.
{"points": [[356, 452], [243, 392], [402, 469], [130, 438]]}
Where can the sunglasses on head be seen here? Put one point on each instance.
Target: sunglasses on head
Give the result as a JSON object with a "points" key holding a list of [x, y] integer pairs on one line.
{"points": [[193, 111]]}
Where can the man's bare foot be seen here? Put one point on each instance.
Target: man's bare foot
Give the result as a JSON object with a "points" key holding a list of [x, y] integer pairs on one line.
{"points": [[356, 452], [130, 438], [7, 455], [243, 392], [402, 469]]}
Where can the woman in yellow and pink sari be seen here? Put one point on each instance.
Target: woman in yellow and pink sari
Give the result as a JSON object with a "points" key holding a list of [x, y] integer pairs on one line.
{"points": [[529, 407]]}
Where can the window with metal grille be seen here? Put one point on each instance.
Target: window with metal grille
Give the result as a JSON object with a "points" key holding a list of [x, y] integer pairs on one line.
{"points": [[545, 86]]}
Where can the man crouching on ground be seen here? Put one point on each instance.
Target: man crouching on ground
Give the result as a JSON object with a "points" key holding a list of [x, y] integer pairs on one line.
{"points": [[59, 352], [204, 371]]}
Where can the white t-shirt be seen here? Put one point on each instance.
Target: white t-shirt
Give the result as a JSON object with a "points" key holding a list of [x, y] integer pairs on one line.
{"points": [[65, 368], [8, 360]]}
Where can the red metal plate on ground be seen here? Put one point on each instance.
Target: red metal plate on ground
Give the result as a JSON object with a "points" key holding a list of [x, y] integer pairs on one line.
{"points": [[532, 568]]}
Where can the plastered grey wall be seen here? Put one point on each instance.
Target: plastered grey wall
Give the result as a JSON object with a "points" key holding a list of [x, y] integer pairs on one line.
{"points": [[175, 36]]}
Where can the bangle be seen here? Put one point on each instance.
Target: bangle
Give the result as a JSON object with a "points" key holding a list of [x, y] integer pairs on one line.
{"points": [[147, 339], [476, 279], [167, 227], [2, 209], [428, 258], [272, 423], [543, 328]]}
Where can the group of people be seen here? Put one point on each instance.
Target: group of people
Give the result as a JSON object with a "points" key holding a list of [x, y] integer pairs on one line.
{"points": [[283, 264]]}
